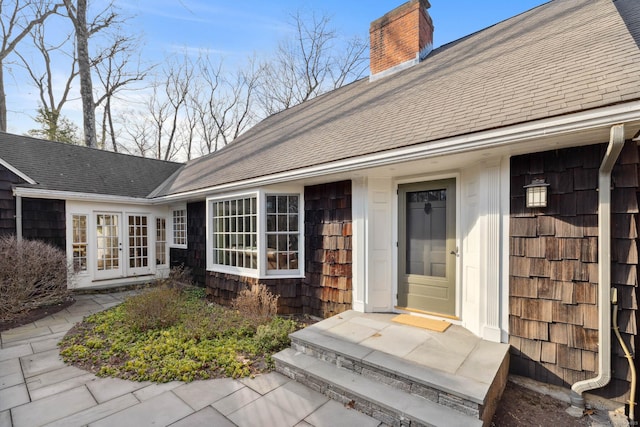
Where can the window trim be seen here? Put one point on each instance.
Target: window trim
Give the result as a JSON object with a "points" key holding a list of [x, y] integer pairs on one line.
{"points": [[164, 242], [86, 244], [172, 241], [261, 272]]}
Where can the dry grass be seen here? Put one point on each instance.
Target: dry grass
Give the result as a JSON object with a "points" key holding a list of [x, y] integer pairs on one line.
{"points": [[257, 303]]}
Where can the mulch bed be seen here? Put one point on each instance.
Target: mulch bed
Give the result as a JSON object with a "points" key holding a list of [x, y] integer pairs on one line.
{"points": [[35, 314]]}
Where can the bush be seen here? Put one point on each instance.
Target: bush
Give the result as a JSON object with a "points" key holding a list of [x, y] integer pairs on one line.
{"points": [[153, 309], [257, 303], [274, 336], [32, 274]]}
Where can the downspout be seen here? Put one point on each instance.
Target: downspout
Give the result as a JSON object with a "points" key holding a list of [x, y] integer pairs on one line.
{"points": [[616, 142], [19, 218]]}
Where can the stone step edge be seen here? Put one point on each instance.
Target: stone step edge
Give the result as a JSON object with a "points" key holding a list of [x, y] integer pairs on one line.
{"points": [[351, 354], [380, 401]]}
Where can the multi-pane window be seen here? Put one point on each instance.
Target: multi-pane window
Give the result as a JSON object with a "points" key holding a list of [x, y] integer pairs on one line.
{"points": [[138, 241], [180, 227], [79, 227], [161, 241], [235, 232], [282, 232]]}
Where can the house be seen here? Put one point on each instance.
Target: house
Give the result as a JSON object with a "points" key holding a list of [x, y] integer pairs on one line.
{"points": [[492, 182]]}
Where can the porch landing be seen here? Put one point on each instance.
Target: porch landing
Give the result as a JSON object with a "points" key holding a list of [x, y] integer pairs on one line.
{"points": [[399, 374]]}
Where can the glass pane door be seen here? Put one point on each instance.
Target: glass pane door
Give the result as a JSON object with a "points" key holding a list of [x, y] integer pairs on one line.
{"points": [[109, 246]]}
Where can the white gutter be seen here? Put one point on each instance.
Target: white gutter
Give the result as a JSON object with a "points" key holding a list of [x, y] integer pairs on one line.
{"points": [[71, 195], [616, 142], [555, 126]]}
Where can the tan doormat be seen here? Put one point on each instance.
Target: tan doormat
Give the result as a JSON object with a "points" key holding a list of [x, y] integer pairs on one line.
{"points": [[422, 322]]}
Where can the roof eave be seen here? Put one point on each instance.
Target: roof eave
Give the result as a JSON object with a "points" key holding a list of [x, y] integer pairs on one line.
{"points": [[40, 193], [518, 133], [17, 172]]}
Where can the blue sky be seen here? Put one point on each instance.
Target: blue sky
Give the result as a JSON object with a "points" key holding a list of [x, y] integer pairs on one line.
{"points": [[242, 28], [236, 30]]}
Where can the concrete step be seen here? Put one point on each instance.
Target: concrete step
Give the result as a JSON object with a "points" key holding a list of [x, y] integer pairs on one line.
{"points": [[381, 401], [467, 395]]}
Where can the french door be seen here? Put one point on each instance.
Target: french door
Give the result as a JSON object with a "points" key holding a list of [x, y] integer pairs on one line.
{"points": [[122, 248], [108, 245]]}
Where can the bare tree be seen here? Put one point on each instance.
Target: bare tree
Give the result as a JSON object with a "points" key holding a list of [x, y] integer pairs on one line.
{"points": [[50, 109], [117, 68], [84, 30], [17, 19], [309, 65], [225, 106]]}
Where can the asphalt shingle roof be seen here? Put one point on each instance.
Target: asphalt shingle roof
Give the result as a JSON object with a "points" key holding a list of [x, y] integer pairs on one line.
{"points": [[65, 167], [562, 57]]}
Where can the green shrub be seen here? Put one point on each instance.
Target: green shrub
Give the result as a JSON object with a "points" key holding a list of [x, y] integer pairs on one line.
{"points": [[274, 336], [32, 274], [153, 309]]}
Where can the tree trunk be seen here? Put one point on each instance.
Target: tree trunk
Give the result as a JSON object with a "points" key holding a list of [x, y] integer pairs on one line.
{"points": [[3, 101], [84, 68]]}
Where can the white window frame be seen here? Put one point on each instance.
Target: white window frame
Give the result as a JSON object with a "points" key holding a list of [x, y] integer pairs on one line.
{"points": [[164, 242], [261, 271], [173, 243], [84, 243]]}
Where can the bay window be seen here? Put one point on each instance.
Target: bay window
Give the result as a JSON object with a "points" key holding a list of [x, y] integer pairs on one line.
{"points": [[255, 235]]}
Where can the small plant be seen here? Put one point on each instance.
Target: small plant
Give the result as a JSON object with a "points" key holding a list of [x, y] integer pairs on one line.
{"points": [[274, 336], [32, 274], [256, 303], [154, 309]]}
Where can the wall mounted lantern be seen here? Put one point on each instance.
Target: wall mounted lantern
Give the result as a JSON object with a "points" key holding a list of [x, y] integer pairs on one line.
{"points": [[537, 193]]}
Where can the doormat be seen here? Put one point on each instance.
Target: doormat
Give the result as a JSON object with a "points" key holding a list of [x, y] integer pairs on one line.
{"points": [[422, 322]]}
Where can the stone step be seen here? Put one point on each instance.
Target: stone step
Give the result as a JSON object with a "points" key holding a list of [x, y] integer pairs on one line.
{"points": [[381, 401], [464, 394]]}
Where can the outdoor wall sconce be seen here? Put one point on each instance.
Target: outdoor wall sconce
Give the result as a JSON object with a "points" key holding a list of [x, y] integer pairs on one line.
{"points": [[537, 193]]}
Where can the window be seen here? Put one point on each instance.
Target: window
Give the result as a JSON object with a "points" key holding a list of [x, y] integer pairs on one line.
{"points": [[79, 242], [256, 235], [235, 232], [161, 241], [282, 232], [180, 227], [138, 241]]}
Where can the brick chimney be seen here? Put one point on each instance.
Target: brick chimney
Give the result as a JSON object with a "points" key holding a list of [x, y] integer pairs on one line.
{"points": [[400, 39]]}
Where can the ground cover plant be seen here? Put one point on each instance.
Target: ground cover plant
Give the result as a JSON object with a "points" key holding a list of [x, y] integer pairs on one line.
{"points": [[169, 333]]}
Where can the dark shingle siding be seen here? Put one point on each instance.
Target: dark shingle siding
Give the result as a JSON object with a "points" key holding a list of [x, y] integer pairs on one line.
{"points": [[65, 167]]}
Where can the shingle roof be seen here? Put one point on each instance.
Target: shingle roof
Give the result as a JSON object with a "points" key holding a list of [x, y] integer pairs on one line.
{"points": [[562, 57], [65, 167]]}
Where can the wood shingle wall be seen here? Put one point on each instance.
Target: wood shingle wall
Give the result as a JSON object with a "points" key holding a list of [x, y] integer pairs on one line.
{"points": [[553, 283], [327, 288], [7, 202]]}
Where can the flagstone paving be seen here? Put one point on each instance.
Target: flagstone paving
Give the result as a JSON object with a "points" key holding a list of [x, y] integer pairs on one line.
{"points": [[38, 389]]}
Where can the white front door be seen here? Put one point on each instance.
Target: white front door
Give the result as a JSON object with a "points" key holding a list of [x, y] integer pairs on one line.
{"points": [[108, 245]]}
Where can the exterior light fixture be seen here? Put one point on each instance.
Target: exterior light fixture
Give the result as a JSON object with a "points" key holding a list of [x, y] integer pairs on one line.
{"points": [[537, 193]]}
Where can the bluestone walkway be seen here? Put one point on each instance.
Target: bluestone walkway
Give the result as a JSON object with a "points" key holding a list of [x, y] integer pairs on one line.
{"points": [[38, 389]]}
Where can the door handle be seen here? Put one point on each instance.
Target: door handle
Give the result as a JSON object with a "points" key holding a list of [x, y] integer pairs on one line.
{"points": [[454, 252]]}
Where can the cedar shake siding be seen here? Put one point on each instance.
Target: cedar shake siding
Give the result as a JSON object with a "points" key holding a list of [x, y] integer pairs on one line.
{"points": [[195, 256], [326, 289], [197, 240], [44, 219], [553, 314], [7, 202]]}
